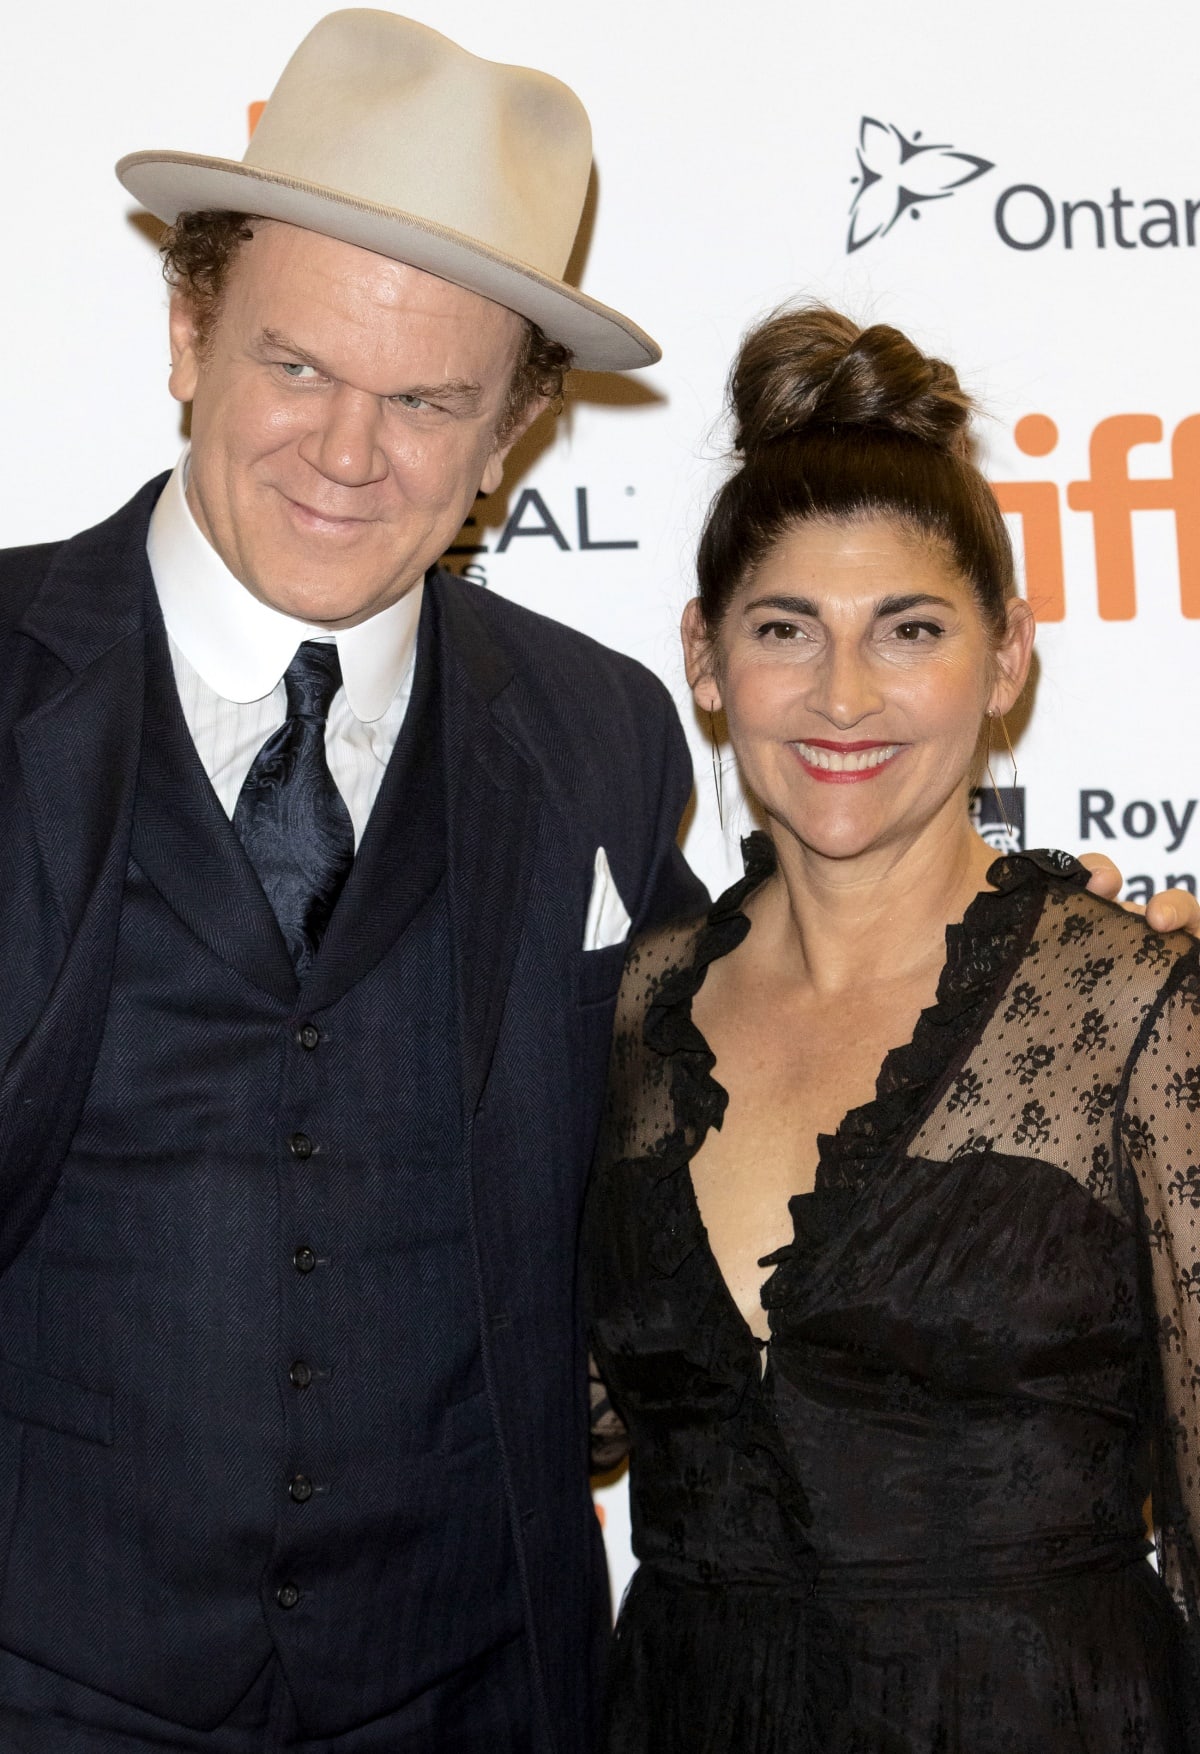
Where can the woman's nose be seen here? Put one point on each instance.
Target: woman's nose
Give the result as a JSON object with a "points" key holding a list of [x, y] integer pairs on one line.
{"points": [[844, 689]]}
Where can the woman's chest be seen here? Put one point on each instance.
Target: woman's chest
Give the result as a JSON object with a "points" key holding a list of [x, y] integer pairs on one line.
{"points": [[790, 1077]]}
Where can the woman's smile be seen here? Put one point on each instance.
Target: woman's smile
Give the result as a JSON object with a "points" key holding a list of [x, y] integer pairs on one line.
{"points": [[844, 763]]}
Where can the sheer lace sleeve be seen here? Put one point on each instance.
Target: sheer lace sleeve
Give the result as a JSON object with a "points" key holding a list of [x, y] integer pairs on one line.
{"points": [[1158, 1138], [637, 1113]]}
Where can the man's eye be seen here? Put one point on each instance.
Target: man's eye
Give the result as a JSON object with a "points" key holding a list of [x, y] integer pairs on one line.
{"points": [[293, 369], [407, 401]]}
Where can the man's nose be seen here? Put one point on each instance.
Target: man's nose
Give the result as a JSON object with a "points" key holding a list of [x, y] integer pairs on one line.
{"points": [[845, 689], [343, 444]]}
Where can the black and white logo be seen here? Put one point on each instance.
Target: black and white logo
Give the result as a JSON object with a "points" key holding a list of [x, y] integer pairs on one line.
{"points": [[898, 175], [998, 814]]}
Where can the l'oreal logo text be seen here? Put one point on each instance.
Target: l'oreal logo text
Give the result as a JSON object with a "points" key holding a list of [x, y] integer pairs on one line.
{"points": [[531, 516]]}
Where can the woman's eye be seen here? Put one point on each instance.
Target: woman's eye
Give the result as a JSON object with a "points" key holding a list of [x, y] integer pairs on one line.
{"points": [[779, 630], [914, 631]]}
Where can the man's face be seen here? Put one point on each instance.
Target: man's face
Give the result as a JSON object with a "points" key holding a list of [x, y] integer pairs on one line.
{"points": [[344, 415]]}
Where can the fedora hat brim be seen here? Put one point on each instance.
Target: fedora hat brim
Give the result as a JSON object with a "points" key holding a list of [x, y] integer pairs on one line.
{"points": [[171, 183]]}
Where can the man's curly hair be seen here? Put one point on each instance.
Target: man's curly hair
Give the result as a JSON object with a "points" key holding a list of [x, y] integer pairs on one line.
{"points": [[198, 252]]}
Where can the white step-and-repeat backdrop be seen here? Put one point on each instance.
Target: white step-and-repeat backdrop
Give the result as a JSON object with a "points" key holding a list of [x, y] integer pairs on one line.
{"points": [[1018, 186]]}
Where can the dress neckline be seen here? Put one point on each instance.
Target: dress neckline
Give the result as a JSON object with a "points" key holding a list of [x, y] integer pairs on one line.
{"points": [[982, 951]]}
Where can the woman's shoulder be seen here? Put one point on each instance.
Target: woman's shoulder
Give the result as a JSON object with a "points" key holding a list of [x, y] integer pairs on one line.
{"points": [[1101, 971], [665, 967], [1108, 939]]}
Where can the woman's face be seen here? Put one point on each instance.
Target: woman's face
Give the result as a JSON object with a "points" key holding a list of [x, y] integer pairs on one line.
{"points": [[855, 669]]}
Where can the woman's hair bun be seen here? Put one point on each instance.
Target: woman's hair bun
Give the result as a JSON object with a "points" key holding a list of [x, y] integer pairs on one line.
{"points": [[809, 369]]}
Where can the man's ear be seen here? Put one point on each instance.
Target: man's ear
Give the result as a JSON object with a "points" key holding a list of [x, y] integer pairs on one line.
{"points": [[698, 659], [1013, 657], [185, 348], [493, 472]]}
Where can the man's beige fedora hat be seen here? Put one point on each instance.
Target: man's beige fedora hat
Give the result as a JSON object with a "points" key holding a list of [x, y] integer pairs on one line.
{"points": [[383, 133]]}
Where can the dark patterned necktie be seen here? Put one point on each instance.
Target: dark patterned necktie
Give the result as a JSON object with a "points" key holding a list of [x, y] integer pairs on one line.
{"points": [[290, 816]]}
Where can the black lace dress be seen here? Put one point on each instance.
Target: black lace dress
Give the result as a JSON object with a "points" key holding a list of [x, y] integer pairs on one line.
{"points": [[922, 1528]]}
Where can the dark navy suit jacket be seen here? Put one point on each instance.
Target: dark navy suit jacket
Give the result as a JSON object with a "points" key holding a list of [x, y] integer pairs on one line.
{"points": [[554, 746]]}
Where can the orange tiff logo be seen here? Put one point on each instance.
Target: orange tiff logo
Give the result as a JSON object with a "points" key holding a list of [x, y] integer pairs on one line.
{"points": [[1110, 496]]}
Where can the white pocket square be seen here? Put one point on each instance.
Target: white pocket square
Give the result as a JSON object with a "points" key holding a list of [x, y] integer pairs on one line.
{"points": [[608, 920]]}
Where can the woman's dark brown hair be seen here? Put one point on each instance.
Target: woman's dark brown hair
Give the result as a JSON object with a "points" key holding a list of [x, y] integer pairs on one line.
{"points": [[834, 423], [199, 250]]}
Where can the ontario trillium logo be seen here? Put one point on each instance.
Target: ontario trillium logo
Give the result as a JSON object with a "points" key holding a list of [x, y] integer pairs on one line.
{"points": [[897, 175]]}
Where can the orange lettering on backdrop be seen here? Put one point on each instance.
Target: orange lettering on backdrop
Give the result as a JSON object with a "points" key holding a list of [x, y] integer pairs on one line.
{"points": [[1185, 466], [254, 114], [1112, 496], [1036, 504]]}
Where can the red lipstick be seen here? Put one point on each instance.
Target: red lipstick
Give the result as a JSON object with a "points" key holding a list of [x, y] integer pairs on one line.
{"points": [[844, 764]]}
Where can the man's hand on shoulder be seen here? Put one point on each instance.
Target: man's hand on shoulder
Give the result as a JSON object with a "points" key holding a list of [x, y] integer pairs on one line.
{"points": [[1171, 910]]}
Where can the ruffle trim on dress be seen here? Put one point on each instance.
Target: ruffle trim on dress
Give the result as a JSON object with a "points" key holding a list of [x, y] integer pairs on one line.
{"points": [[698, 1102], [677, 1229], [981, 952]]}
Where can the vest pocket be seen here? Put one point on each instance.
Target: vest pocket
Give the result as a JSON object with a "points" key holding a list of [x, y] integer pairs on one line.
{"points": [[600, 974], [35, 1399]]}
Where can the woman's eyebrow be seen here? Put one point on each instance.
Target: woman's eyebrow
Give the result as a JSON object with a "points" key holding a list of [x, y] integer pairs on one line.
{"points": [[916, 600], [786, 605]]}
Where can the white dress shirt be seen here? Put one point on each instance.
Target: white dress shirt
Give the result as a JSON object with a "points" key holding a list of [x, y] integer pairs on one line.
{"points": [[229, 653]]}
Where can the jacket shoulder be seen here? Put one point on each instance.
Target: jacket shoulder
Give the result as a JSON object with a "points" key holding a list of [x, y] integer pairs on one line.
{"points": [[548, 654], [100, 552]]}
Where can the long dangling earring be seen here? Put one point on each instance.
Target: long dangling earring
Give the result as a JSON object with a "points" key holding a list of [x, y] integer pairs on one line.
{"points": [[1008, 745], [718, 770], [992, 778]]}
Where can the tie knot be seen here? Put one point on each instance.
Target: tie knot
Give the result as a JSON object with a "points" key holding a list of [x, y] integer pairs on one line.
{"points": [[312, 679]]}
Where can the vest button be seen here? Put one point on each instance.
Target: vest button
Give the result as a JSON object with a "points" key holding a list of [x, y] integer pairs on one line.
{"points": [[300, 1145], [300, 1375], [287, 1595], [304, 1259], [308, 1035], [300, 1488]]}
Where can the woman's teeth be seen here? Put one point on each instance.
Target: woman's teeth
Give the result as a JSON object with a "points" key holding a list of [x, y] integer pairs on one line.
{"points": [[847, 761]]}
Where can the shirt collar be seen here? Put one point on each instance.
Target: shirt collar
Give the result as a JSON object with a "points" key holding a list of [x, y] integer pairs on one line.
{"points": [[241, 646]]}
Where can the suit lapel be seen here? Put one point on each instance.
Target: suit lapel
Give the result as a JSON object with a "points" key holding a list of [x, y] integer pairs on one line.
{"points": [[493, 802], [77, 756], [78, 762], [78, 750]]}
